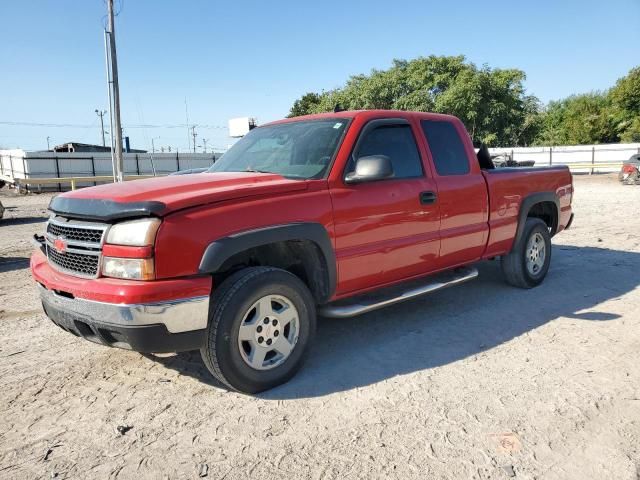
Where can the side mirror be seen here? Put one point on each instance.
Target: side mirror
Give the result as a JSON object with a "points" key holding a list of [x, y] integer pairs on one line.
{"points": [[370, 169]]}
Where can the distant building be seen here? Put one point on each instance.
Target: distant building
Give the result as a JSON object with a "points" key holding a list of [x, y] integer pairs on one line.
{"points": [[74, 147], [239, 127]]}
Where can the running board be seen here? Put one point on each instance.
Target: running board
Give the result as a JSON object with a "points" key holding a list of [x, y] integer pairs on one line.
{"points": [[351, 307]]}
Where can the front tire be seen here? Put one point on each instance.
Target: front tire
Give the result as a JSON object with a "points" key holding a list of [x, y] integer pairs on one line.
{"points": [[527, 264], [261, 323]]}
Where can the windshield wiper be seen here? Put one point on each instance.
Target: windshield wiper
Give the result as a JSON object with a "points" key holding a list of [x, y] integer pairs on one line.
{"points": [[255, 170], [285, 175]]}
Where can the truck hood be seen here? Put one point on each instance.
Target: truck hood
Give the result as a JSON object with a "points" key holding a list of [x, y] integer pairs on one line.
{"points": [[163, 195]]}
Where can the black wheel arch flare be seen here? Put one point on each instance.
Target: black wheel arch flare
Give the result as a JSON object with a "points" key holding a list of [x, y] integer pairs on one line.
{"points": [[218, 251], [527, 204]]}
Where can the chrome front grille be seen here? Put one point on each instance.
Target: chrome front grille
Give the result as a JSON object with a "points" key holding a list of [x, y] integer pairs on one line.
{"points": [[75, 247], [75, 263], [76, 233]]}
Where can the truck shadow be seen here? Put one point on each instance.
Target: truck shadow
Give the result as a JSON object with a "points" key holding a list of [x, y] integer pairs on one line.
{"points": [[8, 264], [452, 324], [6, 222]]}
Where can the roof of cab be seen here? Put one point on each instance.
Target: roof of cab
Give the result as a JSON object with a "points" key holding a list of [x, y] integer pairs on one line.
{"points": [[365, 113]]}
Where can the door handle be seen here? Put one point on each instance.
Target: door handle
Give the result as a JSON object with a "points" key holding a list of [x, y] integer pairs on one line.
{"points": [[427, 198]]}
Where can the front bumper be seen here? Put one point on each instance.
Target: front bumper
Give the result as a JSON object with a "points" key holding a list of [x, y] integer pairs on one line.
{"points": [[174, 326], [158, 316]]}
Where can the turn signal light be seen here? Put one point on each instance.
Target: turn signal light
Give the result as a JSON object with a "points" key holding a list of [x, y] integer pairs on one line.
{"points": [[128, 268]]}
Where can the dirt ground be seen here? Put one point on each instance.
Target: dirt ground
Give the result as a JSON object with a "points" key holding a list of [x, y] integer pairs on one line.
{"points": [[478, 381]]}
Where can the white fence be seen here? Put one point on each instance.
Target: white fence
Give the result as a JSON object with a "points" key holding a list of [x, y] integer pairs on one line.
{"points": [[19, 164], [614, 153], [24, 165]]}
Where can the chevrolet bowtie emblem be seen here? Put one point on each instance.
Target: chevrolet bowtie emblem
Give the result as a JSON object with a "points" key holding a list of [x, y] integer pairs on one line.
{"points": [[60, 244]]}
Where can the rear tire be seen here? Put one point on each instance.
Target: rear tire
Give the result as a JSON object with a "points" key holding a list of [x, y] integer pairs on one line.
{"points": [[528, 262], [261, 323]]}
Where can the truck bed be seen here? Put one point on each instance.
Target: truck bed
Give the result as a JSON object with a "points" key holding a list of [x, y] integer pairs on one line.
{"points": [[508, 187]]}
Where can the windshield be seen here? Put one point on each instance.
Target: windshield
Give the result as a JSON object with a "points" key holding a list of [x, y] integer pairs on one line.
{"points": [[296, 150]]}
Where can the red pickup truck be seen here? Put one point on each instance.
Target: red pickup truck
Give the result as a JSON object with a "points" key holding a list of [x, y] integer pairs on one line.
{"points": [[338, 213]]}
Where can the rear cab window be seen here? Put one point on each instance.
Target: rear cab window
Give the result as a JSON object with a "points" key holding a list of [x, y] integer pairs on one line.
{"points": [[447, 150]]}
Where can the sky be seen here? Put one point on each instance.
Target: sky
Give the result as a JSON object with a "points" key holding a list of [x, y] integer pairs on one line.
{"points": [[254, 58]]}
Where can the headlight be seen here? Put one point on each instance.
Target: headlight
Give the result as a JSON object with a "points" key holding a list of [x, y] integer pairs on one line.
{"points": [[135, 233], [129, 268]]}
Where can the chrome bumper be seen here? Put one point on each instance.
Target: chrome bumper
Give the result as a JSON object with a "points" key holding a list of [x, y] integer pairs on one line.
{"points": [[178, 316]]}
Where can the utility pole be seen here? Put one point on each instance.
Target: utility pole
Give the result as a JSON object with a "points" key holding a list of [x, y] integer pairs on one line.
{"points": [[48, 147], [153, 146], [117, 126], [101, 114], [186, 114], [194, 134], [204, 143], [107, 62]]}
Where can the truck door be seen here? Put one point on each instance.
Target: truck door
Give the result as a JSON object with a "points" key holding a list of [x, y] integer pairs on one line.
{"points": [[386, 230], [462, 192]]}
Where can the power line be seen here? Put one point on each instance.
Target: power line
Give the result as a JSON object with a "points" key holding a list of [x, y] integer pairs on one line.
{"points": [[138, 125], [36, 124]]}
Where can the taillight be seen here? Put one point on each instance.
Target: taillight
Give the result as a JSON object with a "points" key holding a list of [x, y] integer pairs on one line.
{"points": [[629, 168]]}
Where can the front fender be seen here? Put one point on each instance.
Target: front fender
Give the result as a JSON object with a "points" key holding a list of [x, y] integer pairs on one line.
{"points": [[222, 249]]}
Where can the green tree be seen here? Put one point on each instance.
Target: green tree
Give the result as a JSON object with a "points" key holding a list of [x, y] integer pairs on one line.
{"points": [[631, 131], [304, 105], [491, 102], [626, 93], [625, 98], [493, 106], [579, 119]]}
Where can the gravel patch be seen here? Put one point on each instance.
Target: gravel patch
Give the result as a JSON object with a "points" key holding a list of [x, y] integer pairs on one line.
{"points": [[478, 381]]}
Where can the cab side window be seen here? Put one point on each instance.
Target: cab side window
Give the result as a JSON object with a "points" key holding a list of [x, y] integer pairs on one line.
{"points": [[447, 149], [396, 142]]}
